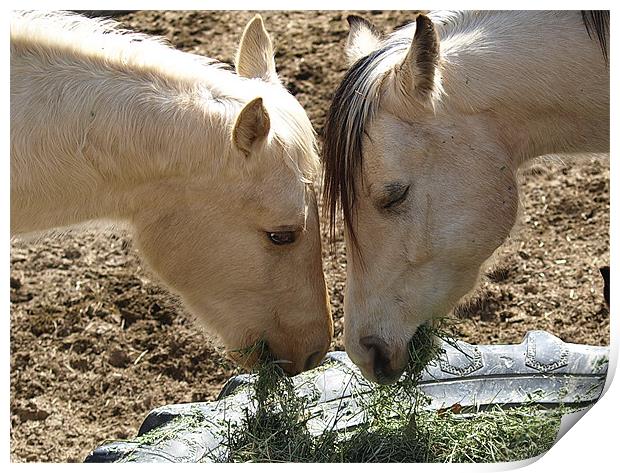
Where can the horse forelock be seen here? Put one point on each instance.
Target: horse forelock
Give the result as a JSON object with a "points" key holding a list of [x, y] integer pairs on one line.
{"points": [[597, 23], [353, 107], [294, 133]]}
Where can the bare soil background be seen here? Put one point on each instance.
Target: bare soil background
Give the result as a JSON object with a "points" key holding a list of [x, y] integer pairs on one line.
{"points": [[96, 342]]}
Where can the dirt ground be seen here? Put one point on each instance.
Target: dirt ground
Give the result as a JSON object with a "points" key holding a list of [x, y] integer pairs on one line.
{"points": [[96, 342]]}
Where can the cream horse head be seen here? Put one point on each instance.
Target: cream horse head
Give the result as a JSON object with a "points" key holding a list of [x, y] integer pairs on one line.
{"points": [[211, 170], [423, 141]]}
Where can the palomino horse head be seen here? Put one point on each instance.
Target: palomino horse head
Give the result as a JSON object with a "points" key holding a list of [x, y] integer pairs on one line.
{"points": [[243, 247], [426, 191]]}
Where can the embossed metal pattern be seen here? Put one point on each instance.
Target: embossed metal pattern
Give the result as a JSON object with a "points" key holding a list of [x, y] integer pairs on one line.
{"points": [[461, 360], [546, 357]]}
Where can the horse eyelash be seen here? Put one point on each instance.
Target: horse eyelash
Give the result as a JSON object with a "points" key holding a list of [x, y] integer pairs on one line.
{"points": [[394, 202]]}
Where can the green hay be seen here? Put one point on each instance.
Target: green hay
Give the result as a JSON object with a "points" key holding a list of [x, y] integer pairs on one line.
{"points": [[277, 431], [398, 428], [494, 436]]}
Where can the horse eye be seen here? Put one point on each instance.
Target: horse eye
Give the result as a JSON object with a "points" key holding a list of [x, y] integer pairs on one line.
{"points": [[397, 198], [281, 238]]}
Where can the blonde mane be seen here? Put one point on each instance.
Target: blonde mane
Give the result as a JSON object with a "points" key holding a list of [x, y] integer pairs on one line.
{"points": [[180, 77]]}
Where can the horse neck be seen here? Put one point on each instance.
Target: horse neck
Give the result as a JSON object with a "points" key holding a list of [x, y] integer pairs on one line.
{"points": [[101, 135], [538, 77]]}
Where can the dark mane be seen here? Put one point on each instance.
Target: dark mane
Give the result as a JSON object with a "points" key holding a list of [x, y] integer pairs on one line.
{"points": [[597, 23], [354, 104]]}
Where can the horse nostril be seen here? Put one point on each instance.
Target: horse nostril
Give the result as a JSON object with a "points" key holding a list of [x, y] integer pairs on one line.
{"points": [[313, 360], [380, 354]]}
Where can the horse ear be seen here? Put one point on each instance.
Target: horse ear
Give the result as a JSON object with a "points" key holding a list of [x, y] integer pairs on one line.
{"points": [[363, 38], [252, 125], [255, 54], [416, 74]]}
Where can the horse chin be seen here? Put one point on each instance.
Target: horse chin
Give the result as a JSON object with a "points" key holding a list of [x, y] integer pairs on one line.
{"points": [[383, 377], [389, 378], [251, 356], [413, 357]]}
